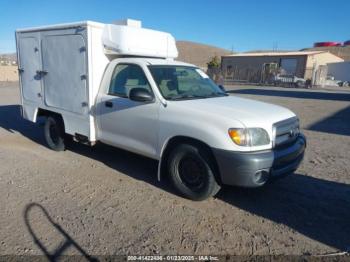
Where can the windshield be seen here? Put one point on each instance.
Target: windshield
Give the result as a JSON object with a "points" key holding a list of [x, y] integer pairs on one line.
{"points": [[182, 82]]}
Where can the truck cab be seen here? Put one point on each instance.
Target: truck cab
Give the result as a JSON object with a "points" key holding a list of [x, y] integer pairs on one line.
{"points": [[144, 101]]}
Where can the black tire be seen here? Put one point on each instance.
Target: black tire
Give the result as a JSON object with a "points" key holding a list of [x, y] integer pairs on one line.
{"points": [[54, 133], [192, 173]]}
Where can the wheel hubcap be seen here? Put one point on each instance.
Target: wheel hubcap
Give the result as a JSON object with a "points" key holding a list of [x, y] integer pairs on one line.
{"points": [[191, 172]]}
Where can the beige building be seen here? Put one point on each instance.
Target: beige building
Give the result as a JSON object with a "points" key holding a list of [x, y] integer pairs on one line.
{"points": [[260, 67]]}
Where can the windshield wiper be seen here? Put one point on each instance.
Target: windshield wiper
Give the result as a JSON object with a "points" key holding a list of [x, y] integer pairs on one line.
{"points": [[180, 97], [216, 94], [183, 96]]}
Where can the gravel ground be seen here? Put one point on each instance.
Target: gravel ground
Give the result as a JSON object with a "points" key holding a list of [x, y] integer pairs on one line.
{"points": [[105, 201]]}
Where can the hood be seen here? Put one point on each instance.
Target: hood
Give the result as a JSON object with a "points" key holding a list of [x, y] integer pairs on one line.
{"points": [[250, 113]]}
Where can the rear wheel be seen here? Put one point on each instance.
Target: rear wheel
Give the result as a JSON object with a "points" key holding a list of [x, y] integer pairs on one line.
{"points": [[54, 133], [192, 173]]}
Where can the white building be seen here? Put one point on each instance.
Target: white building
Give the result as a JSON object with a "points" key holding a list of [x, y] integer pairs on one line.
{"points": [[340, 71]]}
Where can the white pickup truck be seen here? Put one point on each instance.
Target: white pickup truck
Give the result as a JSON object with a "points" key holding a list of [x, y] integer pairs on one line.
{"points": [[119, 84]]}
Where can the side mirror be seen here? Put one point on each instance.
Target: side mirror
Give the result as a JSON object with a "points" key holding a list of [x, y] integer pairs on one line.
{"points": [[140, 95]]}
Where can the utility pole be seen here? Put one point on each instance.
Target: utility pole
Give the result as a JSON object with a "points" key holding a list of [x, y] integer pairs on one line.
{"points": [[275, 46], [232, 48]]}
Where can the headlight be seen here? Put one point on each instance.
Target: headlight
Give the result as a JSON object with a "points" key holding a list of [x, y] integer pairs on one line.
{"points": [[249, 136]]}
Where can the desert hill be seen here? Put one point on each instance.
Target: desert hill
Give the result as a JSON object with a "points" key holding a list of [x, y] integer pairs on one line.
{"points": [[198, 54], [341, 51]]}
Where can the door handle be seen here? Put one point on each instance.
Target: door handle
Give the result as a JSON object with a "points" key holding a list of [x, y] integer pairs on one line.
{"points": [[41, 72], [108, 104]]}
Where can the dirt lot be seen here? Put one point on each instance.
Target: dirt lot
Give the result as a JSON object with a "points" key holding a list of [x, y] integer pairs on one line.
{"points": [[106, 201], [8, 73]]}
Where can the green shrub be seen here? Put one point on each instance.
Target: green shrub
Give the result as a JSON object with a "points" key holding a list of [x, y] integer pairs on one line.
{"points": [[214, 62]]}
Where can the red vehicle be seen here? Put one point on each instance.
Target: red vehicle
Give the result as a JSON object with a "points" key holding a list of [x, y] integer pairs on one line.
{"points": [[323, 44]]}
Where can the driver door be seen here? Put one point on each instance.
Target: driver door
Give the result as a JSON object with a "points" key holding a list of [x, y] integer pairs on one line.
{"points": [[125, 123]]}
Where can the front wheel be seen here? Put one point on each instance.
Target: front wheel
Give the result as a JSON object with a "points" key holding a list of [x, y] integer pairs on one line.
{"points": [[192, 173], [54, 133]]}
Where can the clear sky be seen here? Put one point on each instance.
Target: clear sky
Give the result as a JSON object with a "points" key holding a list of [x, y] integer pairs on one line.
{"points": [[241, 24]]}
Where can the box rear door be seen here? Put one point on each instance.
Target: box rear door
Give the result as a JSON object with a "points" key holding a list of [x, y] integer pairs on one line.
{"points": [[29, 64], [64, 63]]}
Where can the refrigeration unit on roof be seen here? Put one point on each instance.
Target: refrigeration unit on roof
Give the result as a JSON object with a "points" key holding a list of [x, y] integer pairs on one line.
{"points": [[128, 38]]}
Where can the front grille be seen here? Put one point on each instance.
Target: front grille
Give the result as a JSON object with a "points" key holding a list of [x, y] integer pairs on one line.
{"points": [[285, 132]]}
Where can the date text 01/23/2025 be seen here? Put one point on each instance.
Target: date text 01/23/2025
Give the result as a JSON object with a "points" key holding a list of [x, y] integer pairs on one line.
{"points": [[172, 258]]}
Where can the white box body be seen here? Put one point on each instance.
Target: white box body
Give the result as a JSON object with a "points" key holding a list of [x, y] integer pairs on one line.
{"points": [[61, 66]]}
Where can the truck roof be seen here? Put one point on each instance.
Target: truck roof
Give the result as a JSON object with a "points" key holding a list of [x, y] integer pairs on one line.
{"points": [[61, 26], [125, 37], [154, 61]]}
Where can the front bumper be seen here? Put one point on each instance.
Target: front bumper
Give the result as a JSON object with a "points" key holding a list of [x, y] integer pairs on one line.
{"points": [[253, 169]]}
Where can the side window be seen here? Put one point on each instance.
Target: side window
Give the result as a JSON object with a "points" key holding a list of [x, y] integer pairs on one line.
{"points": [[126, 77]]}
